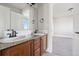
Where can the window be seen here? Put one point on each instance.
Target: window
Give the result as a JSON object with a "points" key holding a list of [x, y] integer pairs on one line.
{"points": [[26, 24]]}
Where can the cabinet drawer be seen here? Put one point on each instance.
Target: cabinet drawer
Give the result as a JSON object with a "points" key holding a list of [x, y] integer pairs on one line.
{"points": [[43, 44], [31, 47], [0, 53], [36, 40], [44, 37], [36, 46], [37, 52]]}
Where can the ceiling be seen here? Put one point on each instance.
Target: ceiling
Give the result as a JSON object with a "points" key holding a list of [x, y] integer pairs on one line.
{"points": [[17, 5], [59, 9]]}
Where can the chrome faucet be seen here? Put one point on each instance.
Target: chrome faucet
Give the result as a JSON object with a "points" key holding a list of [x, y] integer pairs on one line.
{"points": [[12, 34]]}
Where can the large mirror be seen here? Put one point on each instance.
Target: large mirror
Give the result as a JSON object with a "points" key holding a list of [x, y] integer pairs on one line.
{"points": [[4, 20], [18, 21], [11, 20]]}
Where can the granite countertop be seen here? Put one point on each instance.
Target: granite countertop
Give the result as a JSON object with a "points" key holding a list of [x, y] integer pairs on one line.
{"points": [[7, 45]]}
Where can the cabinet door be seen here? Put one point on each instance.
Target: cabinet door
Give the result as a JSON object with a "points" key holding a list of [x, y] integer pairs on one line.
{"points": [[13, 51], [0, 53], [26, 50], [37, 47], [37, 52], [19, 50], [31, 47], [43, 44]]}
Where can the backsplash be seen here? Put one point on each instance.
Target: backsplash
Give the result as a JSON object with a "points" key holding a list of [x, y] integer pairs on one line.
{"points": [[24, 33], [19, 33]]}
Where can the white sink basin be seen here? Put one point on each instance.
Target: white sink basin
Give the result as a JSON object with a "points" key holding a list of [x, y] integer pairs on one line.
{"points": [[10, 40], [39, 34]]}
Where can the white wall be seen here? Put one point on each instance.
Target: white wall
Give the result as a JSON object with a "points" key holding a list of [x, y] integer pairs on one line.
{"points": [[46, 11], [43, 10], [61, 9], [50, 28], [63, 26], [63, 29], [11, 7], [4, 20]]}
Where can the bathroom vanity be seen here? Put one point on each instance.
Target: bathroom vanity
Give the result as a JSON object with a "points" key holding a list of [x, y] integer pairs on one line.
{"points": [[35, 46], [14, 45]]}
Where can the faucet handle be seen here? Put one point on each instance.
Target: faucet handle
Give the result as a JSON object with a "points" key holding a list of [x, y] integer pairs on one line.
{"points": [[9, 34]]}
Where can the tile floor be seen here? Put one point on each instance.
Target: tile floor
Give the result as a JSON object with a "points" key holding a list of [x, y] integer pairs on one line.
{"points": [[49, 54]]}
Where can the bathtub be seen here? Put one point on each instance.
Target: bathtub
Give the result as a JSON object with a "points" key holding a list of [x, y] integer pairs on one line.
{"points": [[62, 46]]}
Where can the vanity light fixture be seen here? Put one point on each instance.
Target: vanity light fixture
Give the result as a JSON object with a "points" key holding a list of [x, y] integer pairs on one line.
{"points": [[31, 4]]}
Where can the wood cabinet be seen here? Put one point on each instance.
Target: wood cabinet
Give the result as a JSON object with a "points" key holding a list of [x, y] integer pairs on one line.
{"points": [[40, 45], [37, 52], [31, 47], [37, 46], [43, 44], [0, 53], [26, 49], [13, 51], [34, 47], [18, 50]]}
